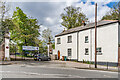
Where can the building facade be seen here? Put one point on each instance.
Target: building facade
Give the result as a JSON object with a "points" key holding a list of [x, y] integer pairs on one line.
{"points": [[79, 43]]}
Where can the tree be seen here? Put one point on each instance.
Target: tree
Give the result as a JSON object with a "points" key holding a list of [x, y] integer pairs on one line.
{"points": [[46, 34], [114, 13], [3, 20], [42, 47], [13, 48], [72, 17], [25, 29], [53, 45]]}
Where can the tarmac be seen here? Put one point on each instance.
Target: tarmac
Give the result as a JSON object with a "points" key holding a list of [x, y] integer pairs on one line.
{"points": [[66, 64]]}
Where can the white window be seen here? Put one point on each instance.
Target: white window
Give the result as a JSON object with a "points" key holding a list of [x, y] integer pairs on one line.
{"points": [[86, 39], [69, 39], [99, 51], [70, 52], [86, 51], [58, 41]]}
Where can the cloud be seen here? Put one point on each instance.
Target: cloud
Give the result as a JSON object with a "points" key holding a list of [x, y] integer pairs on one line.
{"points": [[89, 10], [49, 20], [48, 13]]}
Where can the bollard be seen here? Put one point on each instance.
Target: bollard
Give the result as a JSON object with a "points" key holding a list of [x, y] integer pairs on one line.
{"points": [[107, 65], [65, 58]]}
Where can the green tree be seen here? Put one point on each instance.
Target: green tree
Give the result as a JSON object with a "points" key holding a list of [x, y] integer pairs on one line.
{"points": [[3, 20], [25, 29], [46, 34], [42, 47], [114, 13], [13, 48], [53, 45], [72, 17]]}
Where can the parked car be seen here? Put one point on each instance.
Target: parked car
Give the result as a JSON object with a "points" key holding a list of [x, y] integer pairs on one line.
{"points": [[41, 57]]}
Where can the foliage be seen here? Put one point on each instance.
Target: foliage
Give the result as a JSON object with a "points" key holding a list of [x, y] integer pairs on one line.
{"points": [[53, 45], [13, 48], [72, 17], [25, 30], [42, 46], [46, 34], [113, 14], [3, 20]]}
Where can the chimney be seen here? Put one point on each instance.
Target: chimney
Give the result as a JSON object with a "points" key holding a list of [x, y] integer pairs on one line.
{"points": [[83, 23], [64, 30]]}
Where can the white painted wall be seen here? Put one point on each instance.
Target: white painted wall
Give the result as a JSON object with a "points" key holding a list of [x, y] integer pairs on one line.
{"points": [[7, 55], [83, 45], [118, 33], [63, 47], [107, 39]]}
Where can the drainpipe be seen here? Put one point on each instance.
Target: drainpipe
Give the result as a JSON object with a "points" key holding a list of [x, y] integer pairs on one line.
{"points": [[77, 46], [90, 47]]}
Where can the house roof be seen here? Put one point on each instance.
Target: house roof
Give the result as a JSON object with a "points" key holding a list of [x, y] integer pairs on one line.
{"points": [[87, 26]]}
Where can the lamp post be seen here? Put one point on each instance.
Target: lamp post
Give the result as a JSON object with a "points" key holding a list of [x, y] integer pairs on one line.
{"points": [[96, 35]]}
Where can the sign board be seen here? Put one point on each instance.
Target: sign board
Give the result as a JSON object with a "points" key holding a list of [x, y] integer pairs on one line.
{"points": [[30, 48]]}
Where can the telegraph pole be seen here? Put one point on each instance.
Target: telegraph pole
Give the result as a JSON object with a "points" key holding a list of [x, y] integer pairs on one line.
{"points": [[96, 35]]}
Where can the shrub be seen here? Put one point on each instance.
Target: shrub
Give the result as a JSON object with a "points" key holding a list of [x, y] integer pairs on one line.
{"points": [[83, 61]]}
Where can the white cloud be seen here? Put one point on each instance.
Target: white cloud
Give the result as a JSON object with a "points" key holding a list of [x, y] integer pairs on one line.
{"points": [[39, 0], [49, 20], [48, 13], [103, 1], [89, 10]]}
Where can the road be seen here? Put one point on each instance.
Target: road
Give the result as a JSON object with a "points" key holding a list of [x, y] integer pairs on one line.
{"points": [[42, 70]]}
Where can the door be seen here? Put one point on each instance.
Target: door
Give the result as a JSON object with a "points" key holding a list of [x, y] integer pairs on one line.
{"points": [[58, 55]]}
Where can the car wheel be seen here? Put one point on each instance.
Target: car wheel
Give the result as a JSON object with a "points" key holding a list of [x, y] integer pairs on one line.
{"points": [[49, 59], [39, 59], [35, 59]]}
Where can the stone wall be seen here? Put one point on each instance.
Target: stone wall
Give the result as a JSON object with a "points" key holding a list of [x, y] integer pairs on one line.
{"points": [[2, 52]]}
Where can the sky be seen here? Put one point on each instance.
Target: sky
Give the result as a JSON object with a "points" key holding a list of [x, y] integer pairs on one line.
{"points": [[48, 11]]}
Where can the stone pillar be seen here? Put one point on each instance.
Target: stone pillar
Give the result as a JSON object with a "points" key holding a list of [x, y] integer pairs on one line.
{"points": [[48, 50], [49, 47], [7, 53], [2, 51]]}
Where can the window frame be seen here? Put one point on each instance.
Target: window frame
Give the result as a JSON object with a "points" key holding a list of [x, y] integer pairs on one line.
{"points": [[87, 53], [68, 37], [86, 41], [68, 50], [59, 42], [99, 51]]}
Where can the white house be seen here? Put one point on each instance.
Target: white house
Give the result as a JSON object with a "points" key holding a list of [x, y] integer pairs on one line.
{"points": [[79, 43]]}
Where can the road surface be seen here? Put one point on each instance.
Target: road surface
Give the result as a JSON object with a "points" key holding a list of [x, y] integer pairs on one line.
{"points": [[42, 70]]}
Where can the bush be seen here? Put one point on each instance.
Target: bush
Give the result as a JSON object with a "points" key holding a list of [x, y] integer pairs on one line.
{"points": [[83, 61], [88, 62]]}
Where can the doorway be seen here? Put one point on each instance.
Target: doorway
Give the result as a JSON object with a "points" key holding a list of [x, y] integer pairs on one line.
{"points": [[58, 55]]}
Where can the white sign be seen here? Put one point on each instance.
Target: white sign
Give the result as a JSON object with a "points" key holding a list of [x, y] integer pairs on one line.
{"points": [[30, 48]]}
